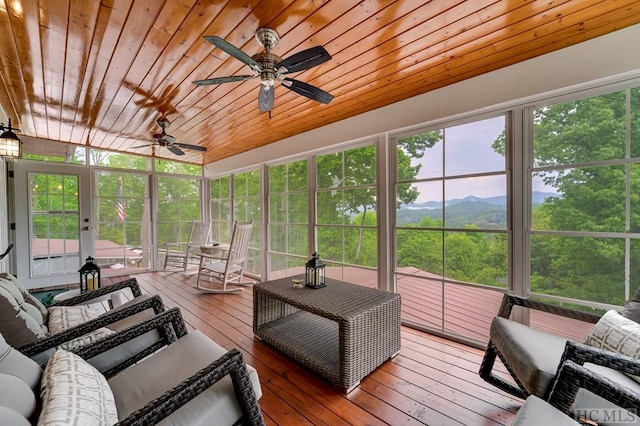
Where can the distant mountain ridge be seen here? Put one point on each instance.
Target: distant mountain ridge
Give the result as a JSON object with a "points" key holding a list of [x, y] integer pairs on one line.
{"points": [[489, 212], [500, 200]]}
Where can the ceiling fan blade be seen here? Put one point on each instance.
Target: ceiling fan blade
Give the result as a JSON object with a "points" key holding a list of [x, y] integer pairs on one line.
{"points": [[220, 80], [303, 60], [234, 51], [189, 146], [143, 146], [175, 149], [307, 90], [265, 98]]}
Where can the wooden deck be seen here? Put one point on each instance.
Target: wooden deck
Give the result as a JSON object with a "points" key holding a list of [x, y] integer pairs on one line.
{"points": [[432, 381]]}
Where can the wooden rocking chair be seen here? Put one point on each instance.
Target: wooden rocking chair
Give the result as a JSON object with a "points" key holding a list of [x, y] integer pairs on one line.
{"points": [[178, 254], [229, 268]]}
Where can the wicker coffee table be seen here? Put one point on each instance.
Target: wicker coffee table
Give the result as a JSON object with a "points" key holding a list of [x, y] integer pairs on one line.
{"points": [[342, 331]]}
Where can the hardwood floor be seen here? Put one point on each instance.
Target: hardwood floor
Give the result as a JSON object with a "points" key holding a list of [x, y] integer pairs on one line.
{"points": [[432, 381]]}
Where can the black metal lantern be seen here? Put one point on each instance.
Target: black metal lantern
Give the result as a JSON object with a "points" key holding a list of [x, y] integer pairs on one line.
{"points": [[89, 276], [314, 272]]}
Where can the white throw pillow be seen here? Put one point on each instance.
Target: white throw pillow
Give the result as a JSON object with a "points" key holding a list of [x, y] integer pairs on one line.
{"points": [[74, 392], [615, 333]]}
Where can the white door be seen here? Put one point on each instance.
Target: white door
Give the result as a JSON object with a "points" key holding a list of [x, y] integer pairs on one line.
{"points": [[53, 222]]}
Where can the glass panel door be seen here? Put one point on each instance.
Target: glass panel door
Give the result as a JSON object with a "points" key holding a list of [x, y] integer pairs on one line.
{"points": [[52, 223], [122, 222]]}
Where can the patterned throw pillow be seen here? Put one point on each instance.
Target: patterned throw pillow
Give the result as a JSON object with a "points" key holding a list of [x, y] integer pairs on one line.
{"points": [[615, 333], [75, 393], [62, 318]]}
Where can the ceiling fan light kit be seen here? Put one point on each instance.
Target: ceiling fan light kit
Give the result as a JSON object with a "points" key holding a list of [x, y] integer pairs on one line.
{"points": [[270, 68]]}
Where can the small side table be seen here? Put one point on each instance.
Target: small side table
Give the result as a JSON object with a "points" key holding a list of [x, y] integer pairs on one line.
{"points": [[210, 248]]}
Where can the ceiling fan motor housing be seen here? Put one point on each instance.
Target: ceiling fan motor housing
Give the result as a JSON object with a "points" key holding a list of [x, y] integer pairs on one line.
{"points": [[268, 63], [163, 122], [267, 37]]}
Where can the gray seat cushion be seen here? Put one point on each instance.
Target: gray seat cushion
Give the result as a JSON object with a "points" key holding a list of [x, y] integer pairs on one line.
{"points": [[532, 354], [535, 411], [115, 356], [141, 383]]}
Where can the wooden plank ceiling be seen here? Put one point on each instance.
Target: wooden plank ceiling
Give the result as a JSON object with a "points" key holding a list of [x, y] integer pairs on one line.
{"points": [[101, 73]]}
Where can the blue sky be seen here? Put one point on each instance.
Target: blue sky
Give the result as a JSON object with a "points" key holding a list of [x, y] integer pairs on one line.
{"points": [[468, 151]]}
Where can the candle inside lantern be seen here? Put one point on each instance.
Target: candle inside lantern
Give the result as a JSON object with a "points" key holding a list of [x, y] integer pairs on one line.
{"points": [[91, 284]]}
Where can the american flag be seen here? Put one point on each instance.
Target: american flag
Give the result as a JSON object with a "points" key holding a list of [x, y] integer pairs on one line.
{"points": [[121, 214]]}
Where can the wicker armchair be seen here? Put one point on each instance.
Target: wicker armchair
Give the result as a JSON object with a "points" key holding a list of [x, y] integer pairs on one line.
{"points": [[534, 358], [574, 378], [191, 380], [184, 352]]}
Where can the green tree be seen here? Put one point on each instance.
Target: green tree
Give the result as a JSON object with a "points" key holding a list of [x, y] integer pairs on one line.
{"points": [[347, 193], [409, 148]]}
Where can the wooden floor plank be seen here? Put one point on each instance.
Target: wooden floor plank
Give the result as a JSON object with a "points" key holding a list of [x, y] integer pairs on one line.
{"points": [[432, 381]]}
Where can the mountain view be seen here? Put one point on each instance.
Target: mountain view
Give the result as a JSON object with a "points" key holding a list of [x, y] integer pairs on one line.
{"points": [[488, 212]]}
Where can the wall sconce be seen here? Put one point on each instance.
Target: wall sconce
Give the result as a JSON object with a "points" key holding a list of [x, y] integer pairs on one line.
{"points": [[10, 145]]}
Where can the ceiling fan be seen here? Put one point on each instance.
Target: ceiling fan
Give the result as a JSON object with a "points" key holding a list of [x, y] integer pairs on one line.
{"points": [[163, 139], [271, 68]]}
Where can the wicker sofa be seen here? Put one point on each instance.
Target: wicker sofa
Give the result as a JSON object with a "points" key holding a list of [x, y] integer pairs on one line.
{"points": [[191, 380]]}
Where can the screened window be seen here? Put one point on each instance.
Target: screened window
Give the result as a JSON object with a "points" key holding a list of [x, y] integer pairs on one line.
{"points": [[119, 160], [176, 167], [178, 206], [53, 152], [451, 224], [288, 219], [220, 197], [586, 162], [346, 221], [246, 205]]}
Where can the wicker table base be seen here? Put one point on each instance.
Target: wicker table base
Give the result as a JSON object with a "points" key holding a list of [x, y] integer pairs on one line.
{"points": [[342, 331]]}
